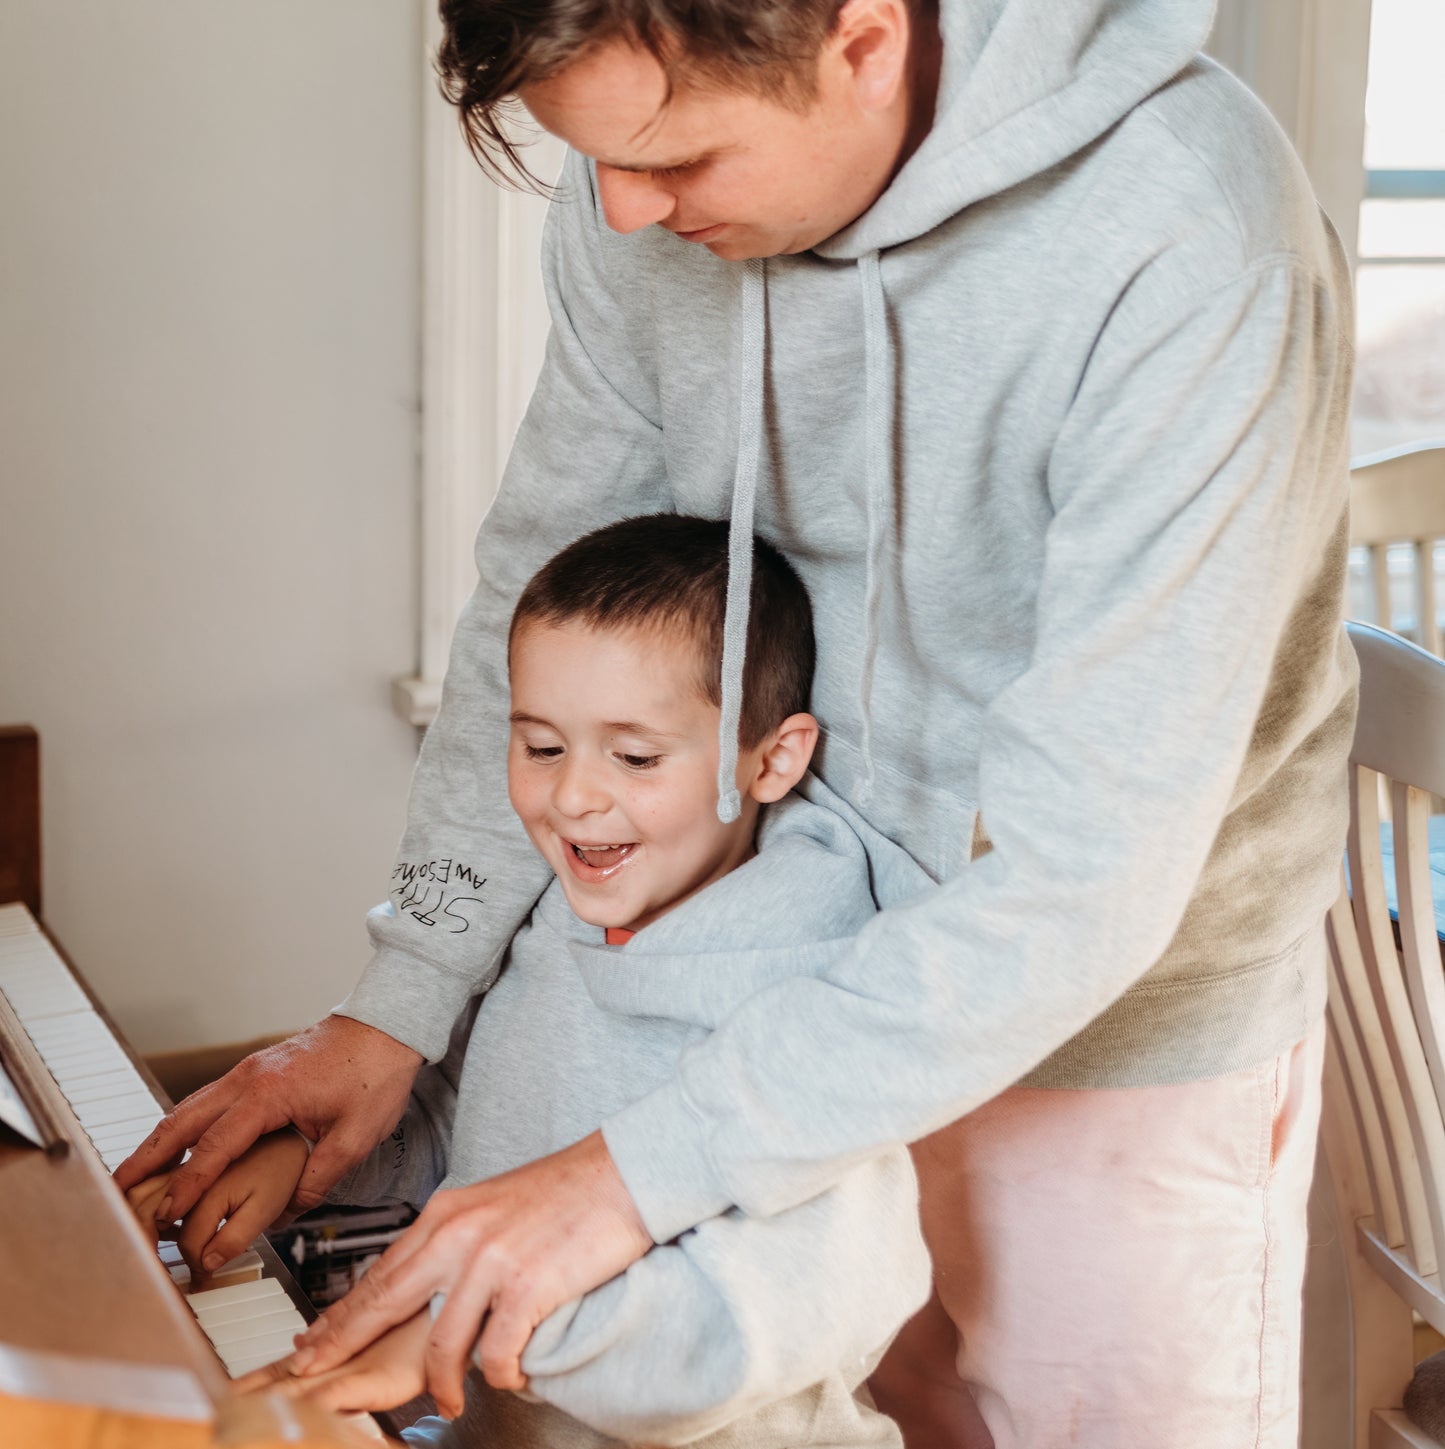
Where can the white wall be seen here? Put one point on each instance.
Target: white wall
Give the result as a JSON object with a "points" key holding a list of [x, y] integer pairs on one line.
{"points": [[209, 302]]}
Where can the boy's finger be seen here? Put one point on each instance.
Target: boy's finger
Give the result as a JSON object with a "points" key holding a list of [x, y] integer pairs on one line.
{"points": [[244, 1224], [146, 1197], [201, 1225], [273, 1374], [348, 1390]]}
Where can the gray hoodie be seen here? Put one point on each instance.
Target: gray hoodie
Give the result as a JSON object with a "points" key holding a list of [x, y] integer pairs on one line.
{"points": [[747, 1333], [1055, 436]]}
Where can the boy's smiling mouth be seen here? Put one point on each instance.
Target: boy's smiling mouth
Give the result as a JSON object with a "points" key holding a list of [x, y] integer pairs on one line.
{"points": [[594, 863]]}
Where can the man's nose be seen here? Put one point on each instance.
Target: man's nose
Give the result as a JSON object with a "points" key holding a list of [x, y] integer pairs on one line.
{"points": [[632, 200], [578, 788]]}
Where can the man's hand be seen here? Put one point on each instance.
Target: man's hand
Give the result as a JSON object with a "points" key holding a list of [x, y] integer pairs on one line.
{"points": [[508, 1251], [344, 1085]]}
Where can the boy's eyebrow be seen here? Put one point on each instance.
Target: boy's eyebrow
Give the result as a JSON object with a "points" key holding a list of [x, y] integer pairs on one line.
{"points": [[612, 726], [636, 727]]}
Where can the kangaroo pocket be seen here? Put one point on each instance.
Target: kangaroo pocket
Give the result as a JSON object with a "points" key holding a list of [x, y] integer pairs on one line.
{"points": [[933, 825]]}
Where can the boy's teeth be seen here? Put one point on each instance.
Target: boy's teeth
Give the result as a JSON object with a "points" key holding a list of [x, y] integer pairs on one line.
{"points": [[600, 855]]}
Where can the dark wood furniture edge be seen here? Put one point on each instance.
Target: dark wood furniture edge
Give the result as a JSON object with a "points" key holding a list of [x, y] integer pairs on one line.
{"points": [[20, 816]]}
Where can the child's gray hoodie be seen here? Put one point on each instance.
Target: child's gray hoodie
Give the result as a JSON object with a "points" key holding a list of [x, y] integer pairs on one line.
{"points": [[747, 1332], [1055, 436]]}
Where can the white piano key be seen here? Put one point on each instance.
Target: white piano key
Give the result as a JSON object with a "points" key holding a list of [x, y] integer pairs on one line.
{"points": [[59, 1030], [227, 1335], [276, 1342], [83, 1074], [243, 1366], [42, 995], [75, 1059], [244, 1266], [213, 1298], [128, 1107], [82, 1049], [215, 1318], [104, 1087], [125, 1138]]}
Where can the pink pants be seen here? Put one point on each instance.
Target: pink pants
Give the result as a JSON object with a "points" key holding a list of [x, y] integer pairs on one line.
{"points": [[1115, 1269]]}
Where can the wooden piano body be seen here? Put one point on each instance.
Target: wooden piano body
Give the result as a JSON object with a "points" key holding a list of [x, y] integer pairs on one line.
{"points": [[98, 1346]]}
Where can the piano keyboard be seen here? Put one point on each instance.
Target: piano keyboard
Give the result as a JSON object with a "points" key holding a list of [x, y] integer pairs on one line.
{"points": [[249, 1319], [113, 1102]]}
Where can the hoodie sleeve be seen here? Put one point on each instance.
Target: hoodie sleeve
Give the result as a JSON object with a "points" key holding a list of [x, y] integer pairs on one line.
{"points": [[1106, 767], [740, 1313], [588, 451]]}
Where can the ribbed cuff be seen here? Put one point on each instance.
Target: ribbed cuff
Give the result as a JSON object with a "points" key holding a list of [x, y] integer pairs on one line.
{"points": [[658, 1146], [409, 999]]}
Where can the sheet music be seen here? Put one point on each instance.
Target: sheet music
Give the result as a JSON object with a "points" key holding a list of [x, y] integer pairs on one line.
{"points": [[13, 1112]]}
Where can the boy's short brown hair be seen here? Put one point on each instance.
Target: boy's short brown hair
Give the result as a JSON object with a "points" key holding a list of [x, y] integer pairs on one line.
{"points": [[492, 48], [669, 571]]}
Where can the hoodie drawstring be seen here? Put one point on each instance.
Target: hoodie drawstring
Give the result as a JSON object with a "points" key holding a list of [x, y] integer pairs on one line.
{"points": [[879, 393], [740, 534], [878, 467]]}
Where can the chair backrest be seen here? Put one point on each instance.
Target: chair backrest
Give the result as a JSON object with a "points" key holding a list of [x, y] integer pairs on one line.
{"points": [[1385, 1067], [1399, 497]]}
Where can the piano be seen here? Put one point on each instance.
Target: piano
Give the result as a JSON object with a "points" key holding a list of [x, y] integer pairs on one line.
{"points": [[103, 1338]]}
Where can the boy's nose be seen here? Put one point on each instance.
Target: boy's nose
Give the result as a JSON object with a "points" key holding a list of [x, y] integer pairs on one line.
{"points": [[632, 200], [578, 789]]}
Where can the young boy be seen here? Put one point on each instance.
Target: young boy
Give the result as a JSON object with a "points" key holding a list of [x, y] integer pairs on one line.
{"points": [[660, 920]]}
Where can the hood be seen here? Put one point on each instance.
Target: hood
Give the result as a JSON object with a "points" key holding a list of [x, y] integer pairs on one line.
{"points": [[1025, 84], [819, 876]]}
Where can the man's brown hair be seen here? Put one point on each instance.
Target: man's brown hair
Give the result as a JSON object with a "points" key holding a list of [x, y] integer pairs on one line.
{"points": [[668, 572], [491, 48]]}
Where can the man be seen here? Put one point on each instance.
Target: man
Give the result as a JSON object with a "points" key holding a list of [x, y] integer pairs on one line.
{"points": [[1042, 388]]}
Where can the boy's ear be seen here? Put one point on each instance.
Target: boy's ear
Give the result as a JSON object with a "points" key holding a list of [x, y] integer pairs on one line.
{"points": [[784, 758]]}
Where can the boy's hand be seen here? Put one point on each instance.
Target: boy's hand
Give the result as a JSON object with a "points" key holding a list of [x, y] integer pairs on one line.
{"points": [[342, 1083], [383, 1375], [250, 1195]]}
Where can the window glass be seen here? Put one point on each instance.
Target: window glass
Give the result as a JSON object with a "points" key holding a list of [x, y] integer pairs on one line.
{"points": [[1400, 287]]}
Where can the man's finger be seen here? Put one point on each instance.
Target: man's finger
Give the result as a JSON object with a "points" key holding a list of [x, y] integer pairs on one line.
{"points": [[449, 1344], [505, 1335], [331, 1158], [227, 1138], [173, 1134], [380, 1301]]}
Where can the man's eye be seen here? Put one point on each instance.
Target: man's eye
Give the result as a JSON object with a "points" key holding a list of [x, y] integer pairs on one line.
{"points": [[639, 762], [543, 752]]}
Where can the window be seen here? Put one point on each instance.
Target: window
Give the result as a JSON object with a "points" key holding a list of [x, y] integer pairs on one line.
{"points": [[1400, 281], [1400, 284]]}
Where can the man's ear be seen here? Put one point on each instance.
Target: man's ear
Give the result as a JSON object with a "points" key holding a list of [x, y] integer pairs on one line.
{"points": [[784, 758], [869, 44]]}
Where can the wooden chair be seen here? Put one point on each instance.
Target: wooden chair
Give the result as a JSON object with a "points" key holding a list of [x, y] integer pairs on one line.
{"points": [[1399, 497], [1384, 1130]]}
